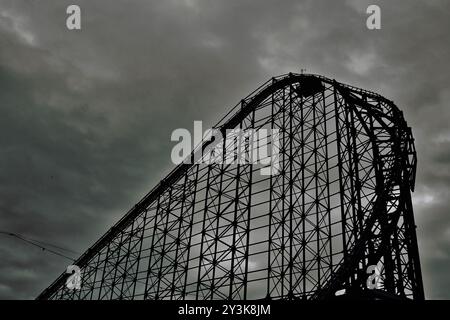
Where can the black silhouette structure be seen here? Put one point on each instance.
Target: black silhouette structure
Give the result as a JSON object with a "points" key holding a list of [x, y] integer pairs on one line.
{"points": [[340, 203]]}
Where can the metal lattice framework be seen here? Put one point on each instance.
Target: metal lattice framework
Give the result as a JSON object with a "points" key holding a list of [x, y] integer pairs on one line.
{"points": [[340, 202]]}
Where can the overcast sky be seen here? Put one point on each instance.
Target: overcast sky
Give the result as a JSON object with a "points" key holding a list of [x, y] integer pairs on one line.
{"points": [[86, 116]]}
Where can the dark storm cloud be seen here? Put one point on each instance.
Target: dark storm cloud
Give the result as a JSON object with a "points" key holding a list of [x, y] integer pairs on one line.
{"points": [[86, 115]]}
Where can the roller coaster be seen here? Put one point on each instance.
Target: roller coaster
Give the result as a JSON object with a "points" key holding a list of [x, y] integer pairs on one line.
{"points": [[339, 203]]}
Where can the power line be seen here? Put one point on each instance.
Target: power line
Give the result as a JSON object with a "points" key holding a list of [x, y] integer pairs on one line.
{"points": [[53, 245], [40, 244]]}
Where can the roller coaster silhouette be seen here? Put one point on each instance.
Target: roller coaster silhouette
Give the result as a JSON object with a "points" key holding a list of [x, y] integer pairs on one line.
{"points": [[341, 202]]}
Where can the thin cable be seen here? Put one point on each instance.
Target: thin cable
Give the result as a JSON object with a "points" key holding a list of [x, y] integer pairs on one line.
{"points": [[44, 248], [52, 245], [41, 242]]}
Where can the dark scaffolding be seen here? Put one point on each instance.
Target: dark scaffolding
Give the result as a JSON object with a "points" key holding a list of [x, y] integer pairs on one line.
{"points": [[339, 203]]}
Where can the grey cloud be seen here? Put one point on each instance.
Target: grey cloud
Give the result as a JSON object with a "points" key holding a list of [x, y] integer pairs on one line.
{"points": [[86, 116]]}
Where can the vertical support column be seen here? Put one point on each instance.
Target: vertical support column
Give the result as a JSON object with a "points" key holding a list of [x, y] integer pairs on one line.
{"points": [[341, 178]]}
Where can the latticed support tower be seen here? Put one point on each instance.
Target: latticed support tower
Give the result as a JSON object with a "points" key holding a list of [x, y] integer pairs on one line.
{"points": [[339, 203]]}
